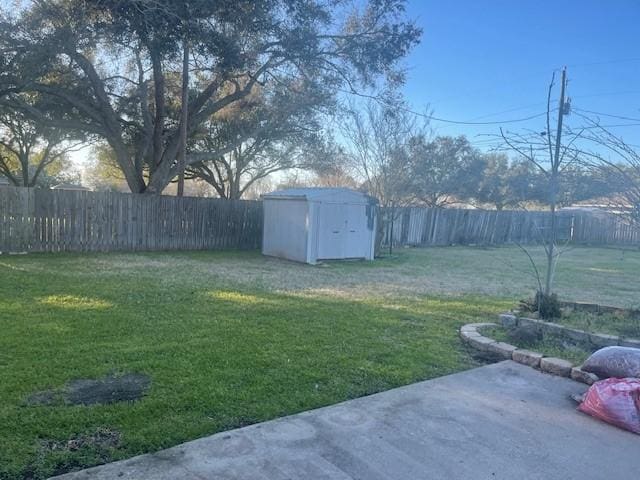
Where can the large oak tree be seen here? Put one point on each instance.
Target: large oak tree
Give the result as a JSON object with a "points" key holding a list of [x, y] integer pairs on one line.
{"points": [[113, 69]]}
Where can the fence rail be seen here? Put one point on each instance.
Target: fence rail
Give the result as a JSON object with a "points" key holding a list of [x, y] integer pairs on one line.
{"points": [[38, 220], [436, 226]]}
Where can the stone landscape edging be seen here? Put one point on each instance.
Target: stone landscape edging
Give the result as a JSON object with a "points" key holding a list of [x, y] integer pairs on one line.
{"points": [[598, 340], [556, 366]]}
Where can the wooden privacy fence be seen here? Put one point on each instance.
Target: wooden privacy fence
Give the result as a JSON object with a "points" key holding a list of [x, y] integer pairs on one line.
{"points": [[38, 220], [607, 230], [436, 226]]}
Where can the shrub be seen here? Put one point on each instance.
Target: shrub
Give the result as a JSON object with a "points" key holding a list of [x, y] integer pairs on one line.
{"points": [[548, 306]]}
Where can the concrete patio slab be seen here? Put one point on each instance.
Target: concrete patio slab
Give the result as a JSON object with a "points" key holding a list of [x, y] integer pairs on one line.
{"points": [[501, 421]]}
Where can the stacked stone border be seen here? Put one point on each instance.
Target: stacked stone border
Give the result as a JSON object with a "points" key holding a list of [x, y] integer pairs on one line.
{"points": [[556, 366], [597, 340]]}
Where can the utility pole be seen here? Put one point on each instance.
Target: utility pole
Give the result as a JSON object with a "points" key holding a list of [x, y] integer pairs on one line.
{"points": [[554, 185], [561, 113]]}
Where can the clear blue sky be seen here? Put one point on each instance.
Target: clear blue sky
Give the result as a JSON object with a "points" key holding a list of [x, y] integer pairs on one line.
{"points": [[480, 58]]}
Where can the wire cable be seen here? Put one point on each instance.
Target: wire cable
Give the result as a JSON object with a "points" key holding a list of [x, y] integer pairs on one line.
{"points": [[497, 122], [620, 117], [440, 119]]}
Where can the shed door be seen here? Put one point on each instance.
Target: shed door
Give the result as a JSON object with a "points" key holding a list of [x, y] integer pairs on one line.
{"points": [[356, 232], [342, 231]]}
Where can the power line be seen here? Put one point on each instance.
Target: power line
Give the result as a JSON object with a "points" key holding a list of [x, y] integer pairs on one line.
{"points": [[597, 125], [614, 125], [476, 91], [455, 122], [621, 117], [440, 119], [515, 109], [498, 122], [431, 117]]}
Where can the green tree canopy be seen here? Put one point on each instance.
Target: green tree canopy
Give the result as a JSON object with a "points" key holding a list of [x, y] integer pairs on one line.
{"points": [[112, 68], [444, 170], [275, 128], [32, 154]]}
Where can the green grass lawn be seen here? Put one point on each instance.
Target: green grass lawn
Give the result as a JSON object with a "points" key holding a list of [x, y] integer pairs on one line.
{"points": [[231, 338]]}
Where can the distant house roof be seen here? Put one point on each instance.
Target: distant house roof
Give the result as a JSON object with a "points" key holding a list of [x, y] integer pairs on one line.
{"points": [[602, 210], [70, 186], [4, 181], [320, 193]]}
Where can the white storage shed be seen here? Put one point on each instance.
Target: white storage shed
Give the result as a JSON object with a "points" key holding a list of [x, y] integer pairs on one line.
{"points": [[311, 224]]}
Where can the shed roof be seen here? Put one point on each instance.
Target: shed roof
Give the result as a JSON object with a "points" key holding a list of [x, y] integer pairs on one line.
{"points": [[319, 193]]}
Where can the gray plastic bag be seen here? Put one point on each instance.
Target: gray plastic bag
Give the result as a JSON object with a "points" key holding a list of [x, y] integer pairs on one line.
{"points": [[617, 362]]}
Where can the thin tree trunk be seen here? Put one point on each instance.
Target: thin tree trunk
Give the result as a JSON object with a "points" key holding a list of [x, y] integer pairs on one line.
{"points": [[158, 122], [182, 154], [556, 160], [24, 166], [551, 253], [393, 216]]}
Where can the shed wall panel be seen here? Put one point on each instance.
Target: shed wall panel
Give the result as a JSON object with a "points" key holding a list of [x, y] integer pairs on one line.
{"points": [[285, 232]]}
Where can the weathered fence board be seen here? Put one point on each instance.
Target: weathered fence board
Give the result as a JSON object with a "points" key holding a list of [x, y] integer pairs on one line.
{"points": [[39, 220], [436, 226]]}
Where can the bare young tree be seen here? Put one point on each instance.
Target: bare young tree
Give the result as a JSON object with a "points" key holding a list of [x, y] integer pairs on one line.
{"points": [[551, 154], [618, 163]]}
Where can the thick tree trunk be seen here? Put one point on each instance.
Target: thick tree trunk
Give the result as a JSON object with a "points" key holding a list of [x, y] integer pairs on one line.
{"points": [[24, 168], [134, 178], [165, 170], [234, 186]]}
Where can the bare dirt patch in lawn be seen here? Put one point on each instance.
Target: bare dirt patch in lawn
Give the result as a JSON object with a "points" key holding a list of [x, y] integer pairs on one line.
{"points": [[109, 389]]}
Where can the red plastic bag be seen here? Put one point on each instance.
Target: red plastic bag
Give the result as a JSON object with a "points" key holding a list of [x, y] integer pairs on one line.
{"points": [[615, 401]]}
